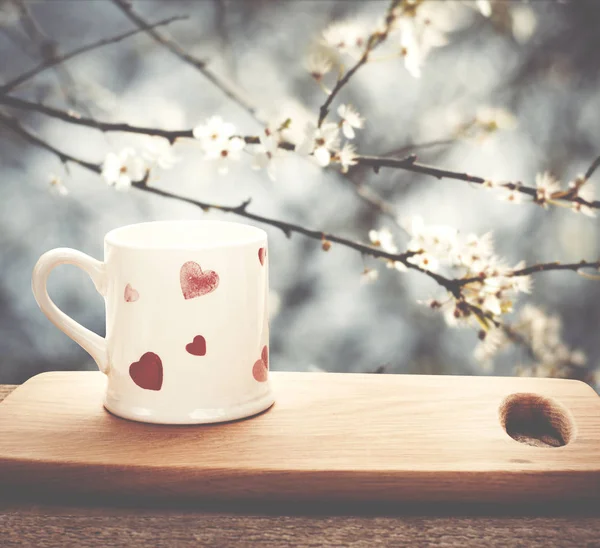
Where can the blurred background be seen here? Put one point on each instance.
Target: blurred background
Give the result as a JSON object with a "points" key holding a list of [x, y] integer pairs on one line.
{"points": [[537, 60]]}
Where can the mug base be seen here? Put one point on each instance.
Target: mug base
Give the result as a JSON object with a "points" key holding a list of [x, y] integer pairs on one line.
{"points": [[198, 416]]}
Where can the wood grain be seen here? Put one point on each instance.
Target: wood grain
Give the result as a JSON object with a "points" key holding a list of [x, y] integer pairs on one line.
{"points": [[192, 530], [329, 436], [88, 521]]}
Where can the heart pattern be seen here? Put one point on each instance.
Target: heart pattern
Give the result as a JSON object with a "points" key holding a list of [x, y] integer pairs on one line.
{"points": [[131, 295], [262, 254], [195, 282], [197, 347], [260, 370], [147, 373]]}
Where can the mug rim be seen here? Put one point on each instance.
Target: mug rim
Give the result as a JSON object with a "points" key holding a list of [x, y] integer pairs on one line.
{"points": [[247, 235]]}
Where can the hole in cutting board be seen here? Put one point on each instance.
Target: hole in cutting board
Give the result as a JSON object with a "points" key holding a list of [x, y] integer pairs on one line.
{"points": [[535, 420]]}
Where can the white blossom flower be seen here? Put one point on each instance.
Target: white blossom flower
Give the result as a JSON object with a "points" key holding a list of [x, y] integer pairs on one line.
{"points": [[542, 333], [425, 260], [522, 284], [492, 342], [158, 151], [229, 151], [213, 133], [384, 239], [484, 7], [524, 22], [318, 63], [421, 26], [57, 186], [439, 241], [476, 252], [546, 186], [266, 152], [346, 37], [512, 195], [350, 119], [218, 142], [413, 55], [122, 169], [368, 276], [346, 157], [320, 141], [586, 192]]}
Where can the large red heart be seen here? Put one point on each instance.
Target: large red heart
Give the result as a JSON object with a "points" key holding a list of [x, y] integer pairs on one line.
{"points": [[147, 373], [194, 282], [197, 347], [262, 253], [260, 370]]}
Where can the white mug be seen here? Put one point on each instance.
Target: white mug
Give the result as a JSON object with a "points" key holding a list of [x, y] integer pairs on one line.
{"points": [[187, 330]]}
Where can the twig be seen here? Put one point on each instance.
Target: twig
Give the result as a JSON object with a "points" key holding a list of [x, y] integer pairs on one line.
{"points": [[226, 87], [46, 48], [592, 168], [57, 59], [535, 269], [376, 39], [73, 118], [408, 163], [406, 149], [13, 124]]}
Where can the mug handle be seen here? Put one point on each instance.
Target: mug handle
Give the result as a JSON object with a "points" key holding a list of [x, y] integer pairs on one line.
{"points": [[92, 343]]}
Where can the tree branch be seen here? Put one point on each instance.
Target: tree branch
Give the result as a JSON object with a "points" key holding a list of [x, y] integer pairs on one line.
{"points": [[13, 125], [73, 118], [375, 40], [408, 163], [535, 269], [592, 168], [46, 48], [57, 59], [226, 87]]}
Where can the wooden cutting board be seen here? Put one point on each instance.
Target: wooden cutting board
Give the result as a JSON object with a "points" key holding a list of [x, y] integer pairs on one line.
{"points": [[328, 436]]}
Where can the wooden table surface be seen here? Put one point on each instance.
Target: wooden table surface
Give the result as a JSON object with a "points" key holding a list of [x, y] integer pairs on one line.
{"points": [[29, 519]]}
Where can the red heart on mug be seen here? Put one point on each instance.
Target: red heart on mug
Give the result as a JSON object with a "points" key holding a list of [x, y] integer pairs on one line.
{"points": [[131, 295], [194, 282], [260, 370], [147, 373], [197, 347], [262, 253]]}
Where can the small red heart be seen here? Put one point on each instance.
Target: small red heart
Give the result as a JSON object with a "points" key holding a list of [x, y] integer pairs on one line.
{"points": [[194, 282], [262, 253], [131, 295], [197, 347], [260, 371], [264, 355], [147, 373]]}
